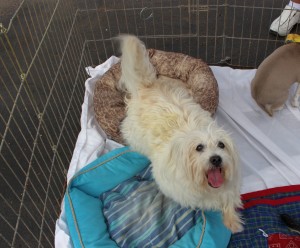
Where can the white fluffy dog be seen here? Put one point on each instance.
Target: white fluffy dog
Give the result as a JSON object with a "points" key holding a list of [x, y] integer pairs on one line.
{"points": [[194, 162]]}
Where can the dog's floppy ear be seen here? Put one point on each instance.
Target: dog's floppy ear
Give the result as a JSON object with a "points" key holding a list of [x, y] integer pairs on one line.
{"points": [[234, 157], [177, 153], [184, 163], [232, 151]]}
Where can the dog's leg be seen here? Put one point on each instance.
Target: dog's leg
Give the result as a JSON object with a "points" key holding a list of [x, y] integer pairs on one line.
{"points": [[295, 99], [232, 219], [268, 108], [279, 108]]}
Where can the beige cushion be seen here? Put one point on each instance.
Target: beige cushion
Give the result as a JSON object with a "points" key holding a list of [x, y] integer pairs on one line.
{"points": [[109, 101]]}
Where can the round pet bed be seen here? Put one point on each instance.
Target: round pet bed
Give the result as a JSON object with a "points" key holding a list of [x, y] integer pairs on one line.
{"points": [[109, 103]]}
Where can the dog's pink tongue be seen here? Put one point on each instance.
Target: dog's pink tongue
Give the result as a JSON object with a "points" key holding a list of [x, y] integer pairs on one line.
{"points": [[215, 177]]}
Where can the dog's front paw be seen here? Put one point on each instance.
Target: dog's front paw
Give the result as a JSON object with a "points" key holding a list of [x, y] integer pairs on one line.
{"points": [[233, 222], [295, 103]]}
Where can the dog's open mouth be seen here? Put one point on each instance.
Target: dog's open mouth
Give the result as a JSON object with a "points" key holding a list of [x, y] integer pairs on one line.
{"points": [[215, 177]]}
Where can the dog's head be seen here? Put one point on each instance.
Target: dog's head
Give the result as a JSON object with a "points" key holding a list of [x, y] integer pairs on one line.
{"points": [[206, 158]]}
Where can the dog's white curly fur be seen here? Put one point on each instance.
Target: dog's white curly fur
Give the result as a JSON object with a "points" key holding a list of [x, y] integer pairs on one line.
{"points": [[164, 123]]}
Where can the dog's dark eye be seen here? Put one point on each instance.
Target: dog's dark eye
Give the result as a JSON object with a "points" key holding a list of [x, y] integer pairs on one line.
{"points": [[199, 147], [221, 145]]}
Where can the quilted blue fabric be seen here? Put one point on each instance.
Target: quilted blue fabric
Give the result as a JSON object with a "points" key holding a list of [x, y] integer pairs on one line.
{"points": [[85, 210]]}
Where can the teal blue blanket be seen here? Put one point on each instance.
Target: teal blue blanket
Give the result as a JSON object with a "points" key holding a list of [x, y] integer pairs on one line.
{"points": [[114, 202]]}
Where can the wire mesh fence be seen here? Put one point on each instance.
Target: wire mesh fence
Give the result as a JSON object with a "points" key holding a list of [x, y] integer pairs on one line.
{"points": [[44, 49]]}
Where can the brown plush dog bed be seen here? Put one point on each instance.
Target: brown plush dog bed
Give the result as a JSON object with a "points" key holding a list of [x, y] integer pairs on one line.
{"points": [[109, 103]]}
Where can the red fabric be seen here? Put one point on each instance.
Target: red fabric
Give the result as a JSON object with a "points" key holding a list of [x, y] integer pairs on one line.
{"points": [[278, 240], [266, 192], [256, 196], [272, 202]]}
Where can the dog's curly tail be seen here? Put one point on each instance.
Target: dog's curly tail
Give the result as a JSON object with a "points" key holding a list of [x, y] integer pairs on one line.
{"points": [[137, 70]]}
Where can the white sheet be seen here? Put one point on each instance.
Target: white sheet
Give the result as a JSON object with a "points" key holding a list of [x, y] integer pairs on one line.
{"points": [[91, 143], [268, 147]]}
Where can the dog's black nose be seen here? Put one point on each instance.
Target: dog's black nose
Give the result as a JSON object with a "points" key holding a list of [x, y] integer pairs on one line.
{"points": [[216, 160]]}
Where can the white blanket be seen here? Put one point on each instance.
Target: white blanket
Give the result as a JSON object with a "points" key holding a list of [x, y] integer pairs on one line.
{"points": [[269, 147]]}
